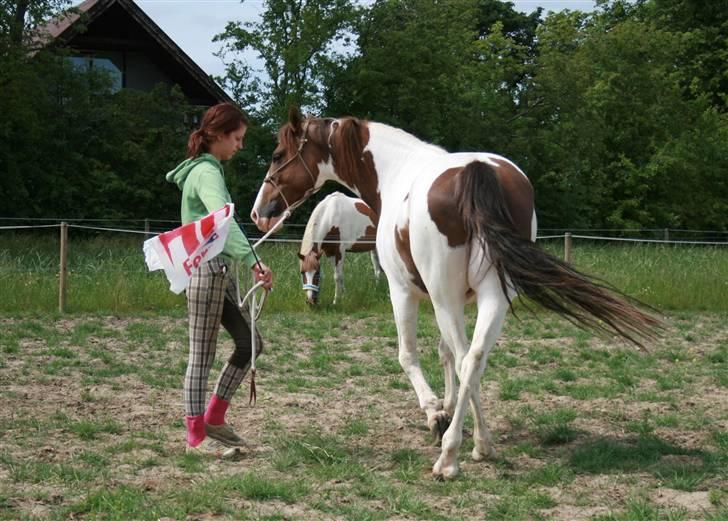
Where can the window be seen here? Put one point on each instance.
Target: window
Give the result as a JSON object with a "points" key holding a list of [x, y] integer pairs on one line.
{"points": [[112, 63]]}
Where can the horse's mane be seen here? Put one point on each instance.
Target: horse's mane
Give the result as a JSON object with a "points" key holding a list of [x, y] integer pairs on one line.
{"points": [[348, 141], [351, 137]]}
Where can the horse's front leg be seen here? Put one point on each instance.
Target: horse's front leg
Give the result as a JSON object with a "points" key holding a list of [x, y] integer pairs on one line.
{"points": [[451, 382], [405, 307], [338, 277], [375, 264]]}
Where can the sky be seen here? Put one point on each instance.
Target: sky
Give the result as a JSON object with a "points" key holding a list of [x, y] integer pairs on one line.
{"points": [[193, 23]]}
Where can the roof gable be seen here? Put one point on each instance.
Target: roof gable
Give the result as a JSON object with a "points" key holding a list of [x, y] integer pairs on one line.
{"points": [[122, 25]]}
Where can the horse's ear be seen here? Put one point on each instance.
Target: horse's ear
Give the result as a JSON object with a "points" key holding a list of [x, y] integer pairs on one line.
{"points": [[294, 117]]}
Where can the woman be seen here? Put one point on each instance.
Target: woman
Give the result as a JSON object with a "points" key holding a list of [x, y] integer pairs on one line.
{"points": [[211, 295]]}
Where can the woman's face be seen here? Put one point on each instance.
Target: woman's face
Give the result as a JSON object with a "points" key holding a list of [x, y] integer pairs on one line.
{"points": [[227, 145]]}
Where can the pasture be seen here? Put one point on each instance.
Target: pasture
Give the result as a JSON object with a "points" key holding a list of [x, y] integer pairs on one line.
{"points": [[585, 427]]}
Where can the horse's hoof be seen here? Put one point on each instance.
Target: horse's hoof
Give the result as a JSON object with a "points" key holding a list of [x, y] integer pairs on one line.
{"points": [[445, 473], [438, 426], [478, 455]]}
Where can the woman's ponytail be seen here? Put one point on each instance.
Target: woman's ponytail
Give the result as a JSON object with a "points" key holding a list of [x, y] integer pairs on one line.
{"points": [[220, 119], [196, 144]]}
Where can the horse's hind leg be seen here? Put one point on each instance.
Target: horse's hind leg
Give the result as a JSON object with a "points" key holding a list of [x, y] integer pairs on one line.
{"points": [[450, 317], [492, 308], [482, 438], [405, 308]]}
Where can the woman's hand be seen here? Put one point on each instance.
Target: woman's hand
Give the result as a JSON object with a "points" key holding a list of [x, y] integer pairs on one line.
{"points": [[264, 274]]}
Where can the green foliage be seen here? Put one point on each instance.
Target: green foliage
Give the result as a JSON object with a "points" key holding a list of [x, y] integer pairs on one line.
{"points": [[296, 42], [614, 125], [617, 115], [20, 18], [70, 148]]}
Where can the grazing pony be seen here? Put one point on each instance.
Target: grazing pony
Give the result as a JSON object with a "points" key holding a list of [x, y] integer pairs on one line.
{"points": [[338, 224], [453, 228]]}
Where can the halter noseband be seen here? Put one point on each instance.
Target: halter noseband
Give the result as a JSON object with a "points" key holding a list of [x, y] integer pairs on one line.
{"points": [[271, 178]]}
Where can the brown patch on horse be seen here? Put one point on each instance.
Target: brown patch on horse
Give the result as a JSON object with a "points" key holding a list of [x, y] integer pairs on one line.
{"points": [[443, 205], [402, 243], [366, 242], [367, 212], [332, 249], [370, 233], [353, 165]]}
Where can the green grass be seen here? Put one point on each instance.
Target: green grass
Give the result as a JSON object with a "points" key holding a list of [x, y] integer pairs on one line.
{"points": [[608, 455], [586, 423], [88, 430], [553, 428], [107, 273], [644, 511], [670, 277]]}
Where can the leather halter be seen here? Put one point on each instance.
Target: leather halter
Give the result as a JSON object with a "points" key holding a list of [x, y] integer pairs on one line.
{"points": [[272, 178]]}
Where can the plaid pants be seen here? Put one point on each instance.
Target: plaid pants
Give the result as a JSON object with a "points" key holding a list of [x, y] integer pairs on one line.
{"points": [[211, 301]]}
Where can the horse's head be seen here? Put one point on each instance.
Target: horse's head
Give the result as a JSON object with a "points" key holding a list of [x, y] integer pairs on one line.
{"points": [[300, 165], [311, 275], [311, 151]]}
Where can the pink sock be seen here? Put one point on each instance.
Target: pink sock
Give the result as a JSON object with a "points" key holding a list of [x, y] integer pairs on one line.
{"points": [[215, 414], [195, 430]]}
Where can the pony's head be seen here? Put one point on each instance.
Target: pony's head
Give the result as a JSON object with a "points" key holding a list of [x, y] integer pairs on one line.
{"points": [[300, 165], [310, 152], [311, 275]]}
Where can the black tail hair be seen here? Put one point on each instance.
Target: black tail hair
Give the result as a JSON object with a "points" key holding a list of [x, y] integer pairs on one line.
{"points": [[545, 279]]}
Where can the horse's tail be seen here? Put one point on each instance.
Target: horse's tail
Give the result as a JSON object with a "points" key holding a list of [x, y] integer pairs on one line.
{"points": [[536, 274]]}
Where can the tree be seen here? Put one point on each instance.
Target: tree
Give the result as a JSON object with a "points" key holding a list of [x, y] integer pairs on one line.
{"points": [[703, 57], [409, 65], [297, 41], [69, 146], [20, 18], [614, 110]]}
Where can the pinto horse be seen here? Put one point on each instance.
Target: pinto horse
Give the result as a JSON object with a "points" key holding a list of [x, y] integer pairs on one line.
{"points": [[338, 224], [454, 228]]}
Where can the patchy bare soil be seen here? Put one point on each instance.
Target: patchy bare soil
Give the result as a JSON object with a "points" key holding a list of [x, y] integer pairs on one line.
{"points": [[91, 425]]}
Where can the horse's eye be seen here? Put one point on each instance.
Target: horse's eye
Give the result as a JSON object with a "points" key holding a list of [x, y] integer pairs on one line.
{"points": [[277, 156]]}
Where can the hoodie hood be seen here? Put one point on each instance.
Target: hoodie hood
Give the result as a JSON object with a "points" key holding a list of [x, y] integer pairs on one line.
{"points": [[182, 171]]}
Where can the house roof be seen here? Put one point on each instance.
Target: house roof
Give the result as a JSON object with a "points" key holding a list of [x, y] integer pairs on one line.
{"points": [[65, 29]]}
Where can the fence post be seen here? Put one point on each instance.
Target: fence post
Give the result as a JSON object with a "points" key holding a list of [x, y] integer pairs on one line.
{"points": [[63, 271], [567, 247], [146, 228], [667, 234]]}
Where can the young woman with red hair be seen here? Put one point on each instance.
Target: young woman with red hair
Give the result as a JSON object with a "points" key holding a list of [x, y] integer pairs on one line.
{"points": [[211, 295]]}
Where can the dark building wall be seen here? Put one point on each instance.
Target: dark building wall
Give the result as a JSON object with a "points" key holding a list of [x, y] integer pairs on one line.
{"points": [[142, 73], [116, 37]]}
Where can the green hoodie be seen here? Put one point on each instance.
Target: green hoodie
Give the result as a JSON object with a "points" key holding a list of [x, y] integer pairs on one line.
{"points": [[203, 191]]}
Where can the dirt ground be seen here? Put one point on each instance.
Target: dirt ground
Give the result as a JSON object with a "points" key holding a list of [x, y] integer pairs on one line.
{"points": [[94, 403]]}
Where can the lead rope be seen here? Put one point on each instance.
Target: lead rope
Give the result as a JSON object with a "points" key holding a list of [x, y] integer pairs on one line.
{"points": [[255, 306]]}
